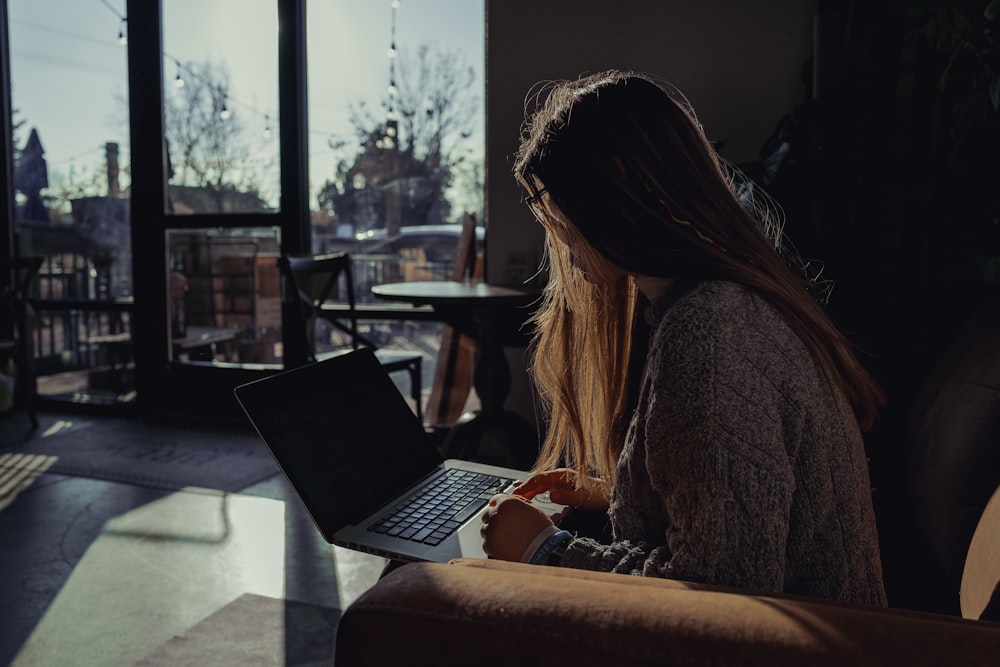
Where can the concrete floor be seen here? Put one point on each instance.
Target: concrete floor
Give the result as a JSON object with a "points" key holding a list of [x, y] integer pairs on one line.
{"points": [[105, 573]]}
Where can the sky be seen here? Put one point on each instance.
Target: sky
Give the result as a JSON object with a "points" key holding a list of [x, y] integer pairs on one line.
{"points": [[69, 78]]}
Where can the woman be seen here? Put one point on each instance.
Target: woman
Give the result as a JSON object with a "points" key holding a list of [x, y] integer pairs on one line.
{"points": [[694, 387]]}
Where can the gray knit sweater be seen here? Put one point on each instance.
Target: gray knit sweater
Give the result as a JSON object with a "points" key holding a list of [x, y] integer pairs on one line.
{"points": [[740, 467]]}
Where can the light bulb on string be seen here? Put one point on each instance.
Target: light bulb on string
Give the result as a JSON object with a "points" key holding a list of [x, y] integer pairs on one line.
{"points": [[122, 38], [224, 112]]}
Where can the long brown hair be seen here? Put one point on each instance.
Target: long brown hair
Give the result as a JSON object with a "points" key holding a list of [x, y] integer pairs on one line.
{"points": [[619, 171]]}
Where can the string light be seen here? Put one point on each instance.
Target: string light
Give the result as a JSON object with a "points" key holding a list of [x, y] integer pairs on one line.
{"points": [[224, 113], [184, 73], [122, 39], [389, 141]]}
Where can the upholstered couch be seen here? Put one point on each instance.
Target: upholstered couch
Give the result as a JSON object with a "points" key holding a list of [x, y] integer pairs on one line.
{"points": [[476, 613], [479, 612]]}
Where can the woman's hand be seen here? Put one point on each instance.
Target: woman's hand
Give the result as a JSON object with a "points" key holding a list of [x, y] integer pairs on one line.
{"points": [[561, 484], [510, 524]]}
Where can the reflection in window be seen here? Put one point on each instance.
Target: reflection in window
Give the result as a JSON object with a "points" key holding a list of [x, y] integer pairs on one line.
{"points": [[224, 295], [220, 105]]}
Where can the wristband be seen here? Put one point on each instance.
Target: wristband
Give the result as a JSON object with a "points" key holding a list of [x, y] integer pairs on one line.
{"points": [[558, 540], [536, 543], [555, 558]]}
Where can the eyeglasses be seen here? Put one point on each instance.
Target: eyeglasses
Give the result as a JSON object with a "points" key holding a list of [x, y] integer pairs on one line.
{"points": [[534, 203]]}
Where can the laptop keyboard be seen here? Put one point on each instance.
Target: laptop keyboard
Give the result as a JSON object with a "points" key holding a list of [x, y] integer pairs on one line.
{"points": [[434, 512]]}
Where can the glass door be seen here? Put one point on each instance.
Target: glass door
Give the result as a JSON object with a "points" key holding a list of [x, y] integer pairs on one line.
{"points": [[216, 115], [220, 112]]}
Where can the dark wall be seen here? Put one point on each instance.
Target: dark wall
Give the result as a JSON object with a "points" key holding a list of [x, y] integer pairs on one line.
{"points": [[891, 179]]}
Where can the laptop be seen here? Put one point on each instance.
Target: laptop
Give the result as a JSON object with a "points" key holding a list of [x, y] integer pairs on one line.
{"points": [[354, 451]]}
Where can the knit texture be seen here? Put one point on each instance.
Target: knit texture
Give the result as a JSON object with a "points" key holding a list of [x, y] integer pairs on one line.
{"points": [[741, 466]]}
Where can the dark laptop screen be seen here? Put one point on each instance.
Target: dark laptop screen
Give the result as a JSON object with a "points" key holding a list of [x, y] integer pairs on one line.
{"points": [[342, 433]]}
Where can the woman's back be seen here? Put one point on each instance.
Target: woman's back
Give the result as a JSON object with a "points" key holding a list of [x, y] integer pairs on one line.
{"points": [[737, 463]]}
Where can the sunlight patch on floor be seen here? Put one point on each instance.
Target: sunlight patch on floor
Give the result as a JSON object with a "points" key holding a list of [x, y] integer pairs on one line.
{"points": [[18, 472], [157, 571]]}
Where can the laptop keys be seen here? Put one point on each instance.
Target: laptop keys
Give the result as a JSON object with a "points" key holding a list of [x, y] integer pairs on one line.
{"points": [[437, 510]]}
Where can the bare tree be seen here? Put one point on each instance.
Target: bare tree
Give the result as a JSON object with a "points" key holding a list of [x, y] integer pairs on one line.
{"points": [[210, 155], [410, 153], [437, 106]]}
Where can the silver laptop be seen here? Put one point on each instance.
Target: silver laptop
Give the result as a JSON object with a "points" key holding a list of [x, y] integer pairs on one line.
{"points": [[363, 466]]}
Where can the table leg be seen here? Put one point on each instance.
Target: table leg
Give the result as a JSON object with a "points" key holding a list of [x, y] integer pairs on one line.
{"points": [[492, 434]]}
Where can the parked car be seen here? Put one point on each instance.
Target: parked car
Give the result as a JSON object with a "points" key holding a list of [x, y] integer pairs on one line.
{"points": [[438, 242], [423, 252]]}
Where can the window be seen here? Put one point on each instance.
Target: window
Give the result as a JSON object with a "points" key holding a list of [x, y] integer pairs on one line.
{"points": [[396, 145], [220, 105], [396, 114], [71, 152], [396, 159]]}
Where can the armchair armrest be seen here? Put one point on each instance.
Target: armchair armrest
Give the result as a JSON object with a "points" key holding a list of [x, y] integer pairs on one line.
{"points": [[481, 612]]}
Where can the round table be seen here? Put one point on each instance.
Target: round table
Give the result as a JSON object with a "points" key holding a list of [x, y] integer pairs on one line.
{"points": [[493, 315]]}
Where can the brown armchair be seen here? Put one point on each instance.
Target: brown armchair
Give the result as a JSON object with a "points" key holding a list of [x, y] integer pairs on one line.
{"points": [[479, 612]]}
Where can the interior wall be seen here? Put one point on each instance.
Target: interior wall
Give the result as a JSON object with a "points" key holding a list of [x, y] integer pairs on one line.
{"points": [[739, 62]]}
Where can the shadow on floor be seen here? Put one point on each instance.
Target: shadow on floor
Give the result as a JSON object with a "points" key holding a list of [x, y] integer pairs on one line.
{"points": [[107, 572]]}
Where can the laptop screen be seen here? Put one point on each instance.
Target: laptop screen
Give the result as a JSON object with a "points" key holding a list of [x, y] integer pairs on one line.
{"points": [[342, 433]]}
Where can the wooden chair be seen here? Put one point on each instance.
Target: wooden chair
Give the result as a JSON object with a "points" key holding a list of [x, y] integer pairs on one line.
{"points": [[15, 336], [313, 281], [457, 357]]}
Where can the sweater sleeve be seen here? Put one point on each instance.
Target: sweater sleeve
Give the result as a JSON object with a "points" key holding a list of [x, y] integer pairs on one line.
{"points": [[713, 440]]}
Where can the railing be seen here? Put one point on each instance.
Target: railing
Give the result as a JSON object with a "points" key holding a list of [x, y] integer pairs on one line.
{"points": [[372, 270], [82, 345]]}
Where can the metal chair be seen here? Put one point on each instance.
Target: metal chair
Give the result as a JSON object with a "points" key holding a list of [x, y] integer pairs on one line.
{"points": [[15, 333], [315, 280]]}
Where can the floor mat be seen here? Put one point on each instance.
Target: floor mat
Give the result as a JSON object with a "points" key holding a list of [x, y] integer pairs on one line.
{"points": [[153, 453]]}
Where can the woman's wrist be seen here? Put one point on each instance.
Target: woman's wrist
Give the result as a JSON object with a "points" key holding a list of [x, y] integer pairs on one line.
{"points": [[536, 544], [553, 546]]}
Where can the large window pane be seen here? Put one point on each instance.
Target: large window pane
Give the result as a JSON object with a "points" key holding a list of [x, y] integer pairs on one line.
{"points": [[396, 117], [221, 99], [69, 92], [396, 144], [70, 102]]}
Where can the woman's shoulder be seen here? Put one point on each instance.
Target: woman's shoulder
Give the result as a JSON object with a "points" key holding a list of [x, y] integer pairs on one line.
{"points": [[712, 298], [728, 312]]}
